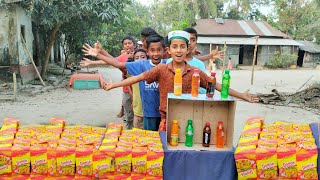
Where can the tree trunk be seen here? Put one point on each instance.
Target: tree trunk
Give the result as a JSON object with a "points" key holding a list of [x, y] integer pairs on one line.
{"points": [[56, 51], [48, 50]]}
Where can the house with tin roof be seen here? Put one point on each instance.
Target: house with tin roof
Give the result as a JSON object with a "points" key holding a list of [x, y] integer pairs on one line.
{"points": [[309, 54], [239, 36]]}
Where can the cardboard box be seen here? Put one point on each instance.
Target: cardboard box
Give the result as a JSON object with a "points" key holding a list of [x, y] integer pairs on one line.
{"points": [[200, 110]]}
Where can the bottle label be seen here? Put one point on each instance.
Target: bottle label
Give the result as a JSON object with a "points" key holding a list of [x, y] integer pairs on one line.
{"points": [[189, 133], [206, 138], [174, 140], [211, 88], [177, 89], [222, 133]]}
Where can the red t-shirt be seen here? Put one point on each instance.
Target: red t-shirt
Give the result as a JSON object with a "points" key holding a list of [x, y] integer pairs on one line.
{"points": [[123, 58]]}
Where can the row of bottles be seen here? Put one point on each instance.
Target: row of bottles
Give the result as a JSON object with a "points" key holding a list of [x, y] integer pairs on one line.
{"points": [[196, 83], [190, 131]]}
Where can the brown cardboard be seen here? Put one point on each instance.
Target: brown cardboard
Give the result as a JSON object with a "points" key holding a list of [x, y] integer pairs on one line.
{"points": [[200, 110]]}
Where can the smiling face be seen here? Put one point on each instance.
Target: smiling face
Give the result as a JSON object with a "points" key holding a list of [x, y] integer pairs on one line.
{"points": [[128, 45], [178, 49], [140, 55], [155, 52]]}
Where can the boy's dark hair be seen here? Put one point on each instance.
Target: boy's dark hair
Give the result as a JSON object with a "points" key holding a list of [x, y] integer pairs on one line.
{"points": [[139, 50], [155, 39], [129, 38], [148, 31], [191, 31], [166, 42]]}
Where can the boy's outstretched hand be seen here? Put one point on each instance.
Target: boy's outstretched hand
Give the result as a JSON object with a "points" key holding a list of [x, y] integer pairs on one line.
{"points": [[98, 46], [85, 62], [89, 51], [216, 54], [108, 86], [250, 97]]}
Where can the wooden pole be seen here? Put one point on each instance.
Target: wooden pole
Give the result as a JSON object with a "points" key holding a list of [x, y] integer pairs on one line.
{"points": [[254, 59], [34, 65], [14, 86], [224, 59]]}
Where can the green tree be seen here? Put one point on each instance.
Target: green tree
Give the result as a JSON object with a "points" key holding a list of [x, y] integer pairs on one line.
{"points": [[53, 14]]}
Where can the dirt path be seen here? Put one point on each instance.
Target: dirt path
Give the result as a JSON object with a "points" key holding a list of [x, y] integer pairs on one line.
{"points": [[97, 107]]}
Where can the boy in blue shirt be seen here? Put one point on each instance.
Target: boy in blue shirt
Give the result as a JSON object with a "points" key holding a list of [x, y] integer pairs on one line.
{"points": [[149, 92]]}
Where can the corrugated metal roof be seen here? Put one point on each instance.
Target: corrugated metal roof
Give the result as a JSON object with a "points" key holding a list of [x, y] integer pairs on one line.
{"points": [[231, 27], [247, 41], [309, 46]]}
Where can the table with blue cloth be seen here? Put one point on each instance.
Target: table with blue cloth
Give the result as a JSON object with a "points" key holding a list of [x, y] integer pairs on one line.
{"points": [[203, 165]]}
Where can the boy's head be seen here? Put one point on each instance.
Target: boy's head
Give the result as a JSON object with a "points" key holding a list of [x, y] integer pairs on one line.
{"points": [[146, 32], [140, 54], [128, 44], [166, 54], [155, 48], [178, 45], [193, 38]]}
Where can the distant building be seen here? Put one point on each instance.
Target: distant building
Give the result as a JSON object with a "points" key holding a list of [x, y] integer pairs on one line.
{"points": [[309, 54], [239, 36]]}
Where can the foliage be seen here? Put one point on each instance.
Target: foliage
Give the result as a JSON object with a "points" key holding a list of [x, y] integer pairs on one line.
{"points": [[282, 60]]}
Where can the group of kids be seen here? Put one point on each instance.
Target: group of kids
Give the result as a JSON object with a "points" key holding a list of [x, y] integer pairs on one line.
{"points": [[150, 71]]}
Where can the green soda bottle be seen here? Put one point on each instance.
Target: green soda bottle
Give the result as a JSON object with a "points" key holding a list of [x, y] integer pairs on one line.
{"points": [[189, 134], [225, 84]]}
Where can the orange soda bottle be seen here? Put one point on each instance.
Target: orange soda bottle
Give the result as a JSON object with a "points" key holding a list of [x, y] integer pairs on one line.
{"points": [[195, 83], [174, 133], [220, 135], [177, 87]]}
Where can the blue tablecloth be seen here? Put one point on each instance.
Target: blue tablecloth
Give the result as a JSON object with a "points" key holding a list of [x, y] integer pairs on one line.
{"points": [[315, 131], [203, 165], [197, 165]]}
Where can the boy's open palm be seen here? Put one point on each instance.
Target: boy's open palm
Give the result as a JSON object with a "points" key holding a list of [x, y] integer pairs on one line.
{"points": [[108, 86], [89, 51], [216, 54], [250, 97], [85, 62], [98, 46]]}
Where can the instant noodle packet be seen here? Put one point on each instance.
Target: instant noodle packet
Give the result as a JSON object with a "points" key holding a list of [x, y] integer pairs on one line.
{"points": [[139, 160], [20, 160], [66, 160], [287, 162], [84, 161], [267, 165], [123, 159], [39, 161]]}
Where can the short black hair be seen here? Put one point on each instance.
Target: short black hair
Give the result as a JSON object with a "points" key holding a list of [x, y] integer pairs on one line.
{"points": [[139, 50], [129, 38], [191, 31], [155, 39], [148, 31]]}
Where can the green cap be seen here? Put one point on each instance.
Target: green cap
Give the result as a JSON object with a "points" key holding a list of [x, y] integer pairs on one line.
{"points": [[227, 71], [179, 35], [189, 121]]}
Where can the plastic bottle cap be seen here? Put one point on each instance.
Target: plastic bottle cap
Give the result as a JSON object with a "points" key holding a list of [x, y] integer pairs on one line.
{"points": [[213, 74], [207, 123], [175, 121], [189, 121], [178, 70], [220, 122], [227, 71], [196, 70]]}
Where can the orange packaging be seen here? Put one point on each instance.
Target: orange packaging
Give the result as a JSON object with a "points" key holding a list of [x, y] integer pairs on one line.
{"points": [[59, 121], [70, 129], [66, 157], [155, 162], [23, 135], [139, 132], [139, 160], [302, 127], [79, 177], [154, 134], [268, 136], [103, 162], [153, 177], [245, 158], [84, 161], [60, 177], [68, 136], [269, 128], [307, 162], [267, 163], [5, 160], [113, 132], [123, 158], [10, 128], [287, 162], [114, 124], [135, 176], [52, 161], [39, 161], [38, 177], [84, 129], [122, 176], [16, 177], [248, 140], [253, 120], [20, 160], [98, 130], [127, 133], [10, 121], [252, 128], [54, 129]]}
